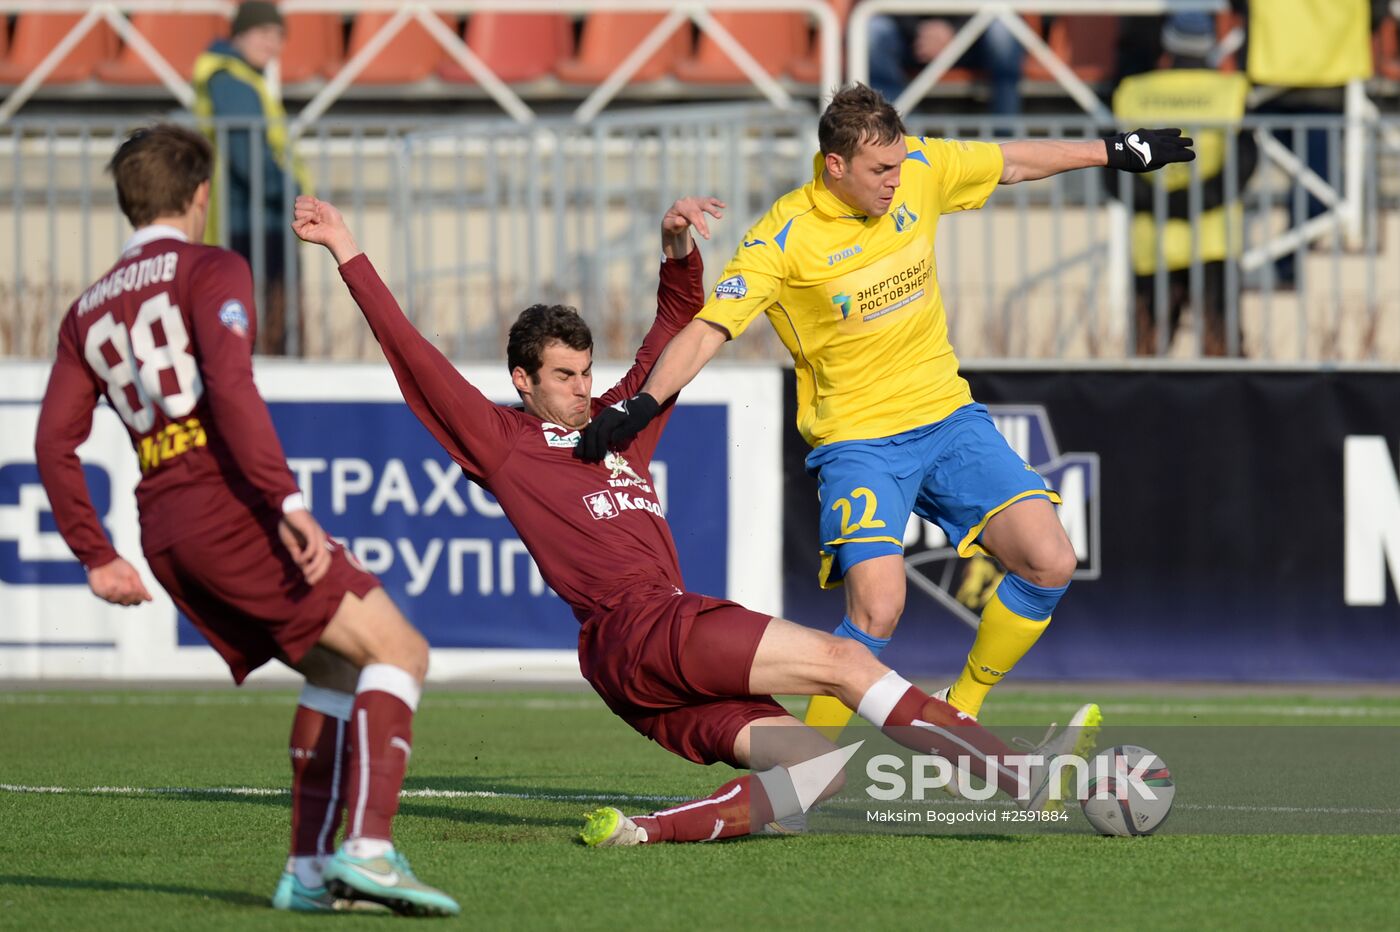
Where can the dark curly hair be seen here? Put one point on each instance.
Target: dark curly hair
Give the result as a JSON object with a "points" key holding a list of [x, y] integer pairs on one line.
{"points": [[858, 114], [536, 327]]}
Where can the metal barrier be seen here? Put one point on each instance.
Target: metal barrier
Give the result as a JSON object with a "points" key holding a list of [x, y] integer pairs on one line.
{"points": [[426, 12], [470, 221]]}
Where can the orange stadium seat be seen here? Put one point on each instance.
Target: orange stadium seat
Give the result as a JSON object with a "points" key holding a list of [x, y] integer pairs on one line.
{"points": [[775, 40], [807, 68], [1387, 49], [410, 56], [36, 34], [608, 38], [516, 46], [1088, 44], [179, 38], [315, 46]]}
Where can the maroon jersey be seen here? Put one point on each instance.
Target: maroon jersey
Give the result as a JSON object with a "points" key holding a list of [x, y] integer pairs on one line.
{"points": [[166, 336], [595, 529]]}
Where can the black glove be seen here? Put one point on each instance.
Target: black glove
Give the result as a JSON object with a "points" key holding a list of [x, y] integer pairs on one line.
{"points": [[615, 427], [1146, 150]]}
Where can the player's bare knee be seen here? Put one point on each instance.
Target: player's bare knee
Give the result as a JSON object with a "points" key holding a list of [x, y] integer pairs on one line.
{"points": [[878, 616], [1050, 566]]}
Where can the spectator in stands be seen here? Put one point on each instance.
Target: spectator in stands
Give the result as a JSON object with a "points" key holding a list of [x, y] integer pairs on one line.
{"points": [[229, 84], [1187, 89], [1302, 54], [901, 44]]}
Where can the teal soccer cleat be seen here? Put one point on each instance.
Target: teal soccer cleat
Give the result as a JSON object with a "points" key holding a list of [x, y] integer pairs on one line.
{"points": [[389, 881], [294, 896]]}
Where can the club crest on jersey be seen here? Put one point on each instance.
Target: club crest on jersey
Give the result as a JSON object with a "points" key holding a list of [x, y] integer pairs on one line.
{"points": [[904, 218], [559, 436], [235, 317], [732, 288], [601, 505]]}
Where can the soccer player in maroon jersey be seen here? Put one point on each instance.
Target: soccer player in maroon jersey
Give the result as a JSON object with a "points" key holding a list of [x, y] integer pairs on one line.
{"points": [[166, 336], [694, 674]]}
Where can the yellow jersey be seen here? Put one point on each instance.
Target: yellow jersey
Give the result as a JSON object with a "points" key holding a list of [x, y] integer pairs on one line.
{"points": [[855, 299]]}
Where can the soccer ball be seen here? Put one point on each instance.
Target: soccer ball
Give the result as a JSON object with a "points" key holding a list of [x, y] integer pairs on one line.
{"points": [[1117, 805]]}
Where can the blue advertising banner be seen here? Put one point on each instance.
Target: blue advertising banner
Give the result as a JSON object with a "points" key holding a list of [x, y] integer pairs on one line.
{"points": [[376, 479], [379, 482], [1230, 525]]}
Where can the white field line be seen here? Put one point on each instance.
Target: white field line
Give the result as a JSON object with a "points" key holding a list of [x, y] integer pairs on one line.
{"points": [[287, 701], [589, 702], [138, 791], [266, 791]]}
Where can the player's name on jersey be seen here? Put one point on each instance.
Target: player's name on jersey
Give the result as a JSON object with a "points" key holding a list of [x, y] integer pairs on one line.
{"points": [[176, 440], [132, 277]]}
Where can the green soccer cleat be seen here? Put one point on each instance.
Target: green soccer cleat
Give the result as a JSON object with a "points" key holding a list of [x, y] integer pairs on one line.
{"points": [[386, 880], [294, 896], [609, 828], [1078, 739]]}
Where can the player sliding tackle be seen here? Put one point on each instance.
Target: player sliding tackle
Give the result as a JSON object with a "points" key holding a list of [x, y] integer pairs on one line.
{"points": [[693, 673], [844, 268]]}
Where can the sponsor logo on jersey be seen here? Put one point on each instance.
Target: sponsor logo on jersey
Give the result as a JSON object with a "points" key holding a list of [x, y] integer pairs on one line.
{"points": [[234, 316], [559, 436], [751, 243], [843, 255], [843, 301], [175, 440], [619, 468], [604, 504], [732, 287], [904, 218], [963, 586]]}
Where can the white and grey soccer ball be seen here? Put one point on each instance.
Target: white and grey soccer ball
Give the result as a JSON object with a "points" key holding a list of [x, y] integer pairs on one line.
{"points": [[1128, 791]]}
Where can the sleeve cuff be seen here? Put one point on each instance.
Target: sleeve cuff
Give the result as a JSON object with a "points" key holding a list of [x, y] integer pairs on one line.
{"points": [[294, 502]]}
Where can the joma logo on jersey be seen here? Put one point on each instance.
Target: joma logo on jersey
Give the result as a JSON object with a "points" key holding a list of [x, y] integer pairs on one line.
{"points": [[904, 218], [842, 255]]}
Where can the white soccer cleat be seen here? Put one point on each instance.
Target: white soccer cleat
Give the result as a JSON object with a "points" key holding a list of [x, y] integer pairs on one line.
{"points": [[1077, 739], [609, 828]]}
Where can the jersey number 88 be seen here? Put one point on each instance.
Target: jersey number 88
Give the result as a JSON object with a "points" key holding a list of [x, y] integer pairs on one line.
{"points": [[134, 378]]}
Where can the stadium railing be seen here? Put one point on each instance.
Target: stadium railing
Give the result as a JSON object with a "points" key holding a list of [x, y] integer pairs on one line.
{"points": [[427, 15], [470, 220], [1342, 195]]}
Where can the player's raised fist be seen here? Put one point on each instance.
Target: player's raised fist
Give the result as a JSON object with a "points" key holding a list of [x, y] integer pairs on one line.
{"points": [[317, 221], [1146, 150], [118, 582]]}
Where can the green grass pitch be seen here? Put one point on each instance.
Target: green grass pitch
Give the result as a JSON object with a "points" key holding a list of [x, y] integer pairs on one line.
{"points": [[148, 833]]}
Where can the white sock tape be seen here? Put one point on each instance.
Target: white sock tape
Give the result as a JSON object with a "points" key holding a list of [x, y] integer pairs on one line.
{"points": [[881, 698], [395, 681], [330, 702]]}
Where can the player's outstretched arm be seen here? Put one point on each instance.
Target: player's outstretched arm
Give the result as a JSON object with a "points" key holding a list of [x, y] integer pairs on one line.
{"points": [[679, 297], [474, 431], [1142, 150]]}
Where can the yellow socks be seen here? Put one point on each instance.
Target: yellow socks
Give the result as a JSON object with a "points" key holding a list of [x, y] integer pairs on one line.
{"points": [[1003, 638]]}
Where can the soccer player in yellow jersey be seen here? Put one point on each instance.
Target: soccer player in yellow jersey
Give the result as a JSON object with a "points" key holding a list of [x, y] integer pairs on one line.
{"points": [[844, 269]]}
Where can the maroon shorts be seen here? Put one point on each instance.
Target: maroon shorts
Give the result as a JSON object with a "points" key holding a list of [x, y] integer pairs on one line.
{"points": [[675, 666], [241, 589]]}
